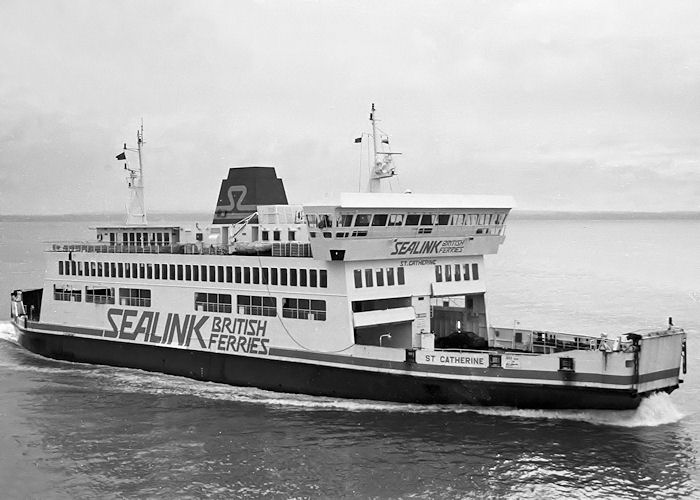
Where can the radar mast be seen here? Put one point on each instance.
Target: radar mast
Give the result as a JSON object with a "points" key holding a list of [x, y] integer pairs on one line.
{"points": [[382, 177], [136, 209]]}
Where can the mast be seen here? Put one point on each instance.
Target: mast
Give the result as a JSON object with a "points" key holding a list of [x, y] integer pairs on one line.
{"points": [[136, 209], [382, 175]]}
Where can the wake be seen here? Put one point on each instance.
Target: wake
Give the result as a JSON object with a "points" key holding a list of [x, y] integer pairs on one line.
{"points": [[656, 410]]}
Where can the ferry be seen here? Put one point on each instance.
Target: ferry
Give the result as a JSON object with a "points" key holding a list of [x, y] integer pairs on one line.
{"points": [[376, 295]]}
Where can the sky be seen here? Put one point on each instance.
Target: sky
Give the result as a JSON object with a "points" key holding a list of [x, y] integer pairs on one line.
{"points": [[565, 105]]}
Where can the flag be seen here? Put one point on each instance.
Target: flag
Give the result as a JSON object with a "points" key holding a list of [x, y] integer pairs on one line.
{"points": [[385, 140], [121, 156], [359, 139]]}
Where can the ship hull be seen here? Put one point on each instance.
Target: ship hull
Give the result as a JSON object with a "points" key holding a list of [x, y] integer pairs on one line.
{"points": [[319, 379]]}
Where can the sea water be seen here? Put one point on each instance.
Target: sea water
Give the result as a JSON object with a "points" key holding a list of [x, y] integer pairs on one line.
{"points": [[72, 430]]}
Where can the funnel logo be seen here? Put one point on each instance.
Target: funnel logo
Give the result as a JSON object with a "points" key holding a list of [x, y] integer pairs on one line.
{"points": [[244, 190], [236, 195]]}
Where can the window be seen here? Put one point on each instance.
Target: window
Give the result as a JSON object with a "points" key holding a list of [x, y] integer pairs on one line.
{"points": [[380, 277], [93, 269], [273, 276], [292, 277], [188, 272], [283, 277], [390, 276], [412, 219], [457, 220], [379, 219], [438, 273], [60, 267], [276, 235], [220, 277], [400, 276], [358, 278], [246, 275], [324, 221], [443, 219], [265, 276], [448, 272], [458, 276], [100, 295], [324, 278], [179, 272], [212, 302], [134, 297], [203, 272], [302, 277], [195, 273], [66, 293], [362, 219], [156, 271], [212, 273], [113, 269], [291, 235], [127, 270], [149, 271], [466, 272], [395, 219], [238, 274], [313, 278], [475, 271], [427, 220], [312, 220], [134, 270], [257, 306], [172, 271], [368, 278], [304, 309], [256, 275], [73, 267], [343, 220], [566, 364], [266, 235]]}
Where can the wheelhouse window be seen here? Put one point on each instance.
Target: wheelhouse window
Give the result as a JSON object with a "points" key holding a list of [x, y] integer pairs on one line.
{"points": [[395, 220], [138, 297], [343, 220], [212, 302], [412, 219], [99, 295], [312, 220], [324, 221], [362, 219], [379, 219]]}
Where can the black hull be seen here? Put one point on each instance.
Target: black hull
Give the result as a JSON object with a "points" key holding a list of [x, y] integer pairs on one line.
{"points": [[319, 380]]}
